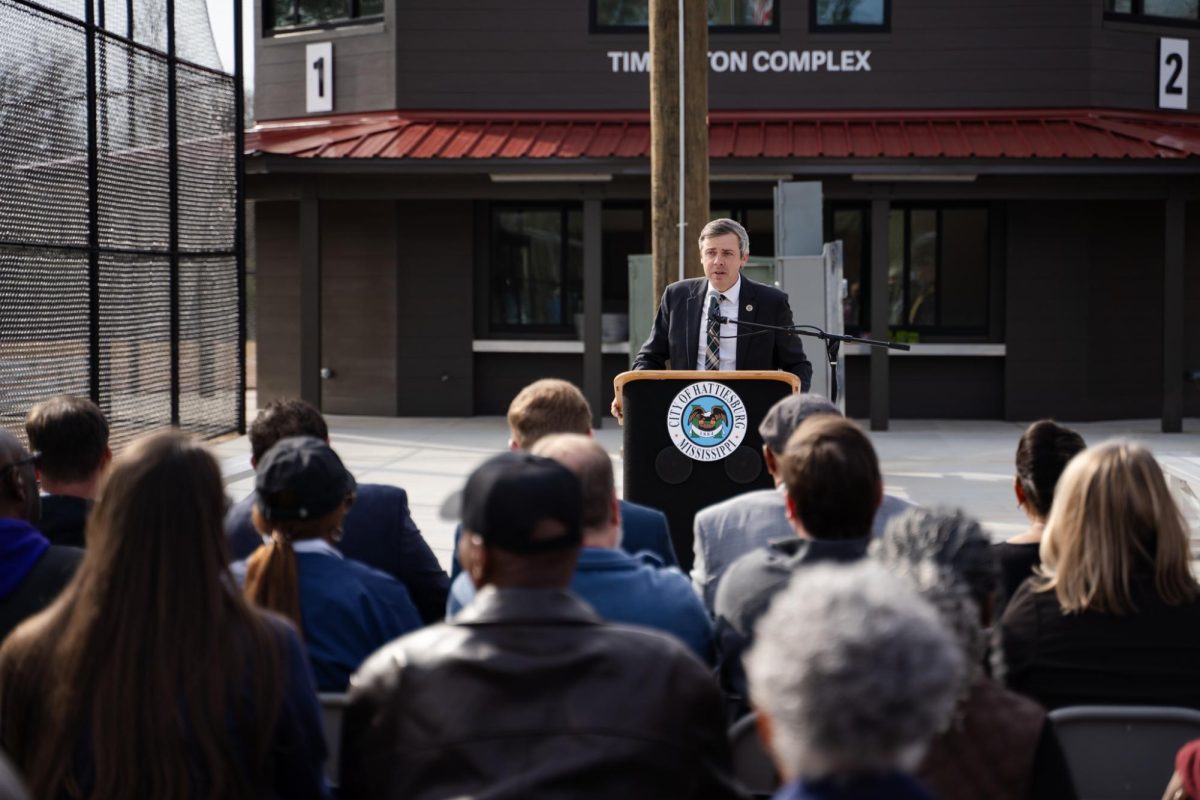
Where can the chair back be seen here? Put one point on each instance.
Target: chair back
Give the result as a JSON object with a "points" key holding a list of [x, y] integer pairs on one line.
{"points": [[751, 764], [1123, 751], [333, 706]]}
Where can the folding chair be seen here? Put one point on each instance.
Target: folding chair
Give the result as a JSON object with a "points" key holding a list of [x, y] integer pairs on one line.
{"points": [[333, 705], [1123, 751], [751, 764]]}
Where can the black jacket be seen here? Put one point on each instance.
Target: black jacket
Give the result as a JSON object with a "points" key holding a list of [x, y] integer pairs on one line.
{"points": [[41, 587], [676, 332], [528, 694]]}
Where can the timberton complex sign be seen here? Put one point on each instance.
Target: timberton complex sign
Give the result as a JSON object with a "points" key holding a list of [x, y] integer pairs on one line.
{"points": [[758, 60]]}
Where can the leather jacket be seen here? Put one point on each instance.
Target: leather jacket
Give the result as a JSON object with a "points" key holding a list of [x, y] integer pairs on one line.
{"points": [[529, 694]]}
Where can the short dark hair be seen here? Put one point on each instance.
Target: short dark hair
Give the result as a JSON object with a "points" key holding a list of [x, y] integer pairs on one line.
{"points": [[832, 477], [1042, 454], [281, 419], [72, 435]]}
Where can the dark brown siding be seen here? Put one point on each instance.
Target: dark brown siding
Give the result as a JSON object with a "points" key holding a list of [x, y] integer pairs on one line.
{"points": [[1191, 319], [435, 275], [277, 304], [1084, 327], [479, 54], [358, 306]]}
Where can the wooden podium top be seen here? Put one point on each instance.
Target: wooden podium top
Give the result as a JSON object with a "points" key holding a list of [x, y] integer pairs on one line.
{"points": [[704, 375]]}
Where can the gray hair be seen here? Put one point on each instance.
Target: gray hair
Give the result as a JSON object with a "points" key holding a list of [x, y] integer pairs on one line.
{"points": [[720, 227], [855, 671], [950, 539], [783, 418]]}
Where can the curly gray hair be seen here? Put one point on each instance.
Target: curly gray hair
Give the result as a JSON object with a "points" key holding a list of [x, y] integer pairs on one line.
{"points": [[854, 670]]}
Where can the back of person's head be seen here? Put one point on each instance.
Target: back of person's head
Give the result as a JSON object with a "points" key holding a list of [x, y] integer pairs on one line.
{"points": [[301, 491], [832, 478], [853, 671], [149, 639], [584, 456], [521, 522], [71, 433], [19, 497], [282, 419], [783, 418], [1042, 455], [1113, 517], [545, 407], [948, 538]]}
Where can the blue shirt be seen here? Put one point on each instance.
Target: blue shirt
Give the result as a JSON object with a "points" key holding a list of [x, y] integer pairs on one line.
{"points": [[636, 590], [347, 610], [378, 531]]}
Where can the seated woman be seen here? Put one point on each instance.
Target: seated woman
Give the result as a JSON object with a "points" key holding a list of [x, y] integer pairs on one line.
{"points": [[1042, 454], [345, 609], [150, 676], [1114, 619]]}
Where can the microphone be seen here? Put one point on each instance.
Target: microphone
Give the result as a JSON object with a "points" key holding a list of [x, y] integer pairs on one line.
{"points": [[713, 315]]}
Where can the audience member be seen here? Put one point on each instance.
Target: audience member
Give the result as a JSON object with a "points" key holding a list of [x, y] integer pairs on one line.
{"points": [[378, 531], [632, 589], [32, 571], [1185, 783], [527, 692], [1042, 455], [1113, 620], [999, 744], [345, 610], [150, 676], [851, 673], [833, 488], [551, 406], [726, 531], [71, 434]]}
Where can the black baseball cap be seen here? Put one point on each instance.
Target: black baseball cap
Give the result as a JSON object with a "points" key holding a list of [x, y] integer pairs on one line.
{"points": [[785, 417], [301, 478], [508, 495]]}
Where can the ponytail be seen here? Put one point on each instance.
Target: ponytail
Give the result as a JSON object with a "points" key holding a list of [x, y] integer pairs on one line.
{"points": [[271, 579]]}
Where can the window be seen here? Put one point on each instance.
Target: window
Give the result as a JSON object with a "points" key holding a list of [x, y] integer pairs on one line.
{"points": [[849, 15], [757, 218], [317, 13], [739, 15], [535, 269], [1166, 12], [938, 268]]}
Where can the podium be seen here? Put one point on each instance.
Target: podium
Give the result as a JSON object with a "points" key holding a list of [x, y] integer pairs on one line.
{"points": [[691, 439]]}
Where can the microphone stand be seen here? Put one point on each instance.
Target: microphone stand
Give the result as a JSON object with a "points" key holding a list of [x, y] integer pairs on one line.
{"points": [[833, 342]]}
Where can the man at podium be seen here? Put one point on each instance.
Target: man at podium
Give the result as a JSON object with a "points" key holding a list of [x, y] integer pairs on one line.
{"points": [[686, 329]]}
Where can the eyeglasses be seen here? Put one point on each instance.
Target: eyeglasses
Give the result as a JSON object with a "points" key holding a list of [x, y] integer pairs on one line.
{"points": [[32, 458]]}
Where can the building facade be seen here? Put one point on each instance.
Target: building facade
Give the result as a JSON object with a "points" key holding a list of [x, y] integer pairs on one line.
{"points": [[439, 189]]}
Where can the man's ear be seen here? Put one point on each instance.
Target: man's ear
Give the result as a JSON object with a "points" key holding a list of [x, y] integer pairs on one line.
{"points": [[1019, 491], [106, 459], [770, 461], [513, 446], [792, 516]]}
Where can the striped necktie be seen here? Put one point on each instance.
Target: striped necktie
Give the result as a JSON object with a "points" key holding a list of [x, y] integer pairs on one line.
{"points": [[712, 350]]}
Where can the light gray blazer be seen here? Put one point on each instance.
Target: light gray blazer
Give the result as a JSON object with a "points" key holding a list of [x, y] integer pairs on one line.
{"points": [[726, 531]]}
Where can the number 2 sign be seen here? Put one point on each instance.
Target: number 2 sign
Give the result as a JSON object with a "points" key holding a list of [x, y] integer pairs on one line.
{"points": [[1173, 73], [318, 65]]}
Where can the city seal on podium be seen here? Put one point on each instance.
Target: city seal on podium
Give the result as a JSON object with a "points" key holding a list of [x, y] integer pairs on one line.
{"points": [[707, 421]]}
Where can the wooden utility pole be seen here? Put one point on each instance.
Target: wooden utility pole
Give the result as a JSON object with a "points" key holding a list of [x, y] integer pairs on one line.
{"points": [[664, 136]]}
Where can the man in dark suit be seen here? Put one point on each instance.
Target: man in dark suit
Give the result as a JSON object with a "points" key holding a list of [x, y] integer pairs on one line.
{"points": [[685, 333]]}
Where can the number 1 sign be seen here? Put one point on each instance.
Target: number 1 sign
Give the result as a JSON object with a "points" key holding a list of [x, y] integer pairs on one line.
{"points": [[318, 65], [1173, 73]]}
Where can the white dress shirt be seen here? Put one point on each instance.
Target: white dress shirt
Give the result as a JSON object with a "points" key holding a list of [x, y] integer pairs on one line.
{"points": [[727, 308]]}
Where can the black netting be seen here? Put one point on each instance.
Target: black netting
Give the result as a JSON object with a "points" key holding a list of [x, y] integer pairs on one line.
{"points": [[89, 312]]}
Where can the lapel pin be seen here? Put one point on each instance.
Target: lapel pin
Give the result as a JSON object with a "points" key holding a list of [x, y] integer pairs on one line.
{"points": [[749, 307]]}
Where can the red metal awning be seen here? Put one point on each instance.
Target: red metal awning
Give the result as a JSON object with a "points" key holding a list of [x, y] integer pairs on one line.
{"points": [[1000, 134]]}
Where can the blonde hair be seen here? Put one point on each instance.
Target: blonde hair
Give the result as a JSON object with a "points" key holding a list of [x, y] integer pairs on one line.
{"points": [[548, 406], [1113, 515]]}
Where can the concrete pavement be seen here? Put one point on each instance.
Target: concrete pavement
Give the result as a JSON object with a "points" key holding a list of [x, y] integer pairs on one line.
{"points": [[967, 464]]}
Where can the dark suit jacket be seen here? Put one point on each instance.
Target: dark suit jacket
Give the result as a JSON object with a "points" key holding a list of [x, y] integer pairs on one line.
{"points": [[676, 332], [642, 528], [380, 532]]}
